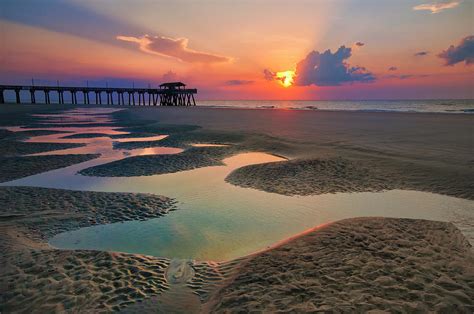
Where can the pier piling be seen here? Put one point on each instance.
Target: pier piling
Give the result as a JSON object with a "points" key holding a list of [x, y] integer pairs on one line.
{"points": [[168, 94], [17, 96], [32, 94]]}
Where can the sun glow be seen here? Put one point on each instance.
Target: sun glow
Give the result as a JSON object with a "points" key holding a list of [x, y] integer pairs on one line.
{"points": [[286, 77]]}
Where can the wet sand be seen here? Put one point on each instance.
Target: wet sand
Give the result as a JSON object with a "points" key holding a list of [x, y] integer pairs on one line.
{"points": [[348, 152], [35, 277], [415, 151], [159, 164], [348, 174], [12, 168], [358, 265], [15, 159], [352, 265]]}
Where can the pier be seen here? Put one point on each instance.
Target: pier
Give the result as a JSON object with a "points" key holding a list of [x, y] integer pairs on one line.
{"points": [[168, 94]]}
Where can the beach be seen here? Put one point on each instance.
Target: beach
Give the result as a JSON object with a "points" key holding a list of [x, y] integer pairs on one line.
{"points": [[358, 265], [355, 264], [420, 151]]}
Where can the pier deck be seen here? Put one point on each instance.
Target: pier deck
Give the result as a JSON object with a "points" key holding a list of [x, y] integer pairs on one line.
{"points": [[168, 94]]}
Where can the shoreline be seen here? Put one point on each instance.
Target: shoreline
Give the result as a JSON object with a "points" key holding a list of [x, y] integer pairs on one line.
{"points": [[467, 111]]}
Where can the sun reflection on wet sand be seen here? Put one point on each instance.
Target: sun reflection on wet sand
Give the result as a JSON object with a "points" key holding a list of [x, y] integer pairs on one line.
{"points": [[141, 139], [208, 145]]}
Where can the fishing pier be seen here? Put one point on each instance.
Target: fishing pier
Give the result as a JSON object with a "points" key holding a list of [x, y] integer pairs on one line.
{"points": [[168, 94]]}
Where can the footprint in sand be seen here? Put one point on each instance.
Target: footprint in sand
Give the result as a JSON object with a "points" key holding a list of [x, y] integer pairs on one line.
{"points": [[178, 298], [179, 271]]}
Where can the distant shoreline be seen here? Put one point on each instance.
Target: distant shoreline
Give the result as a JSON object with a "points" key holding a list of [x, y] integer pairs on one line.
{"points": [[357, 106]]}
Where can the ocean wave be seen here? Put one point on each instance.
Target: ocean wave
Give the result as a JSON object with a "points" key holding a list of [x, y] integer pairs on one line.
{"points": [[409, 106]]}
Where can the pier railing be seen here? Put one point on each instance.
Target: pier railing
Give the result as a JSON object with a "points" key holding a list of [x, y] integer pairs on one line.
{"points": [[169, 94]]}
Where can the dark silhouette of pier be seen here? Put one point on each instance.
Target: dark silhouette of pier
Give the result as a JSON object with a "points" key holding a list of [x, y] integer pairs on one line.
{"points": [[168, 94]]}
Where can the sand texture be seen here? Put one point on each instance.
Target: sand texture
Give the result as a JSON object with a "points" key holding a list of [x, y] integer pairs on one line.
{"points": [[46, 212], [11, 143], [86, 135], [417, 151], [12, 168], [184, 139], [159, 164], [22, 135], [193, 157], [70, 125], [305, 177], [12, 148], [337, 174], [183, 136], [85, 281], [14, 115], [34, 277], [358, 265], [13, 162], [354, 265], [151, 126], [189, 287]]}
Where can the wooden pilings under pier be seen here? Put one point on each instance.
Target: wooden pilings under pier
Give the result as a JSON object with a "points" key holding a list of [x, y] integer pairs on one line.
{"points": [[168, 94]]}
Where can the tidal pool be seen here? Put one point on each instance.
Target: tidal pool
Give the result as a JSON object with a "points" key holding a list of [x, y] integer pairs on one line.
{"points": [[219, 221]]}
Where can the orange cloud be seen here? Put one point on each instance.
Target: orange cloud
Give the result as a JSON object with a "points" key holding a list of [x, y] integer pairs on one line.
{"points": [[174, 48], [437, 7]]}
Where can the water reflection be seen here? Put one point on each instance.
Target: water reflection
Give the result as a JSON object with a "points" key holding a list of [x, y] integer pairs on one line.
{"points": [[219, 221]]}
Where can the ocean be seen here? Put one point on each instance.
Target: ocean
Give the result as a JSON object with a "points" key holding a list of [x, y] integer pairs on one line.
{"points": [[463, 106]]}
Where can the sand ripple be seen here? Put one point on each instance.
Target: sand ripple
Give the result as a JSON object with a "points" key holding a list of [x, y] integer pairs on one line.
{"points": [[53, 280], [357, 265], [341, 174]]}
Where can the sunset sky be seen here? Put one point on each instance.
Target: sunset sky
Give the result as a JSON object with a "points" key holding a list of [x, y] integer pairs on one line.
{"points": [[236, 49]]}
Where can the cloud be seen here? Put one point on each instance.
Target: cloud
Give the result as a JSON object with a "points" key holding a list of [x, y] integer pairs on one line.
{"points": [[437, 6], [238, 82], [421, 53], [400, 77], [392, 68], [174, 48], [463, 52], [269, 75], [405, 76], [278, 76], [357, 45], [329, 69], [169, 76]]}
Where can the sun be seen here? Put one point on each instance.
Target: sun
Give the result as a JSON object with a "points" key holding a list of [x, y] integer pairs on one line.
{"points": [[286, 77]]}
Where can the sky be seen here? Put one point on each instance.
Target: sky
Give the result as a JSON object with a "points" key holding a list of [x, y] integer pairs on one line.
{"points": [[245, 49]]}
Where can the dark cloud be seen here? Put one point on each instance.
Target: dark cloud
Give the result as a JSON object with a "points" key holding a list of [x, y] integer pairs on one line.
{"points": [[329, 69], [173, 47], [405, 76], [421, 53], [400, 77], [392, 68], [238, 82], [463, 52], [359, 44], [269, 75]]}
